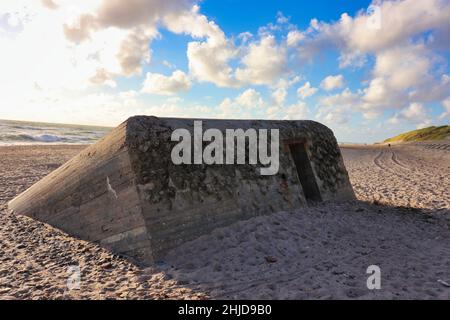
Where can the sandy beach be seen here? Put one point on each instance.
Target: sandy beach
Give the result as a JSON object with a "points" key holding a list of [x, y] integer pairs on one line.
{"points": [[401, 223]]}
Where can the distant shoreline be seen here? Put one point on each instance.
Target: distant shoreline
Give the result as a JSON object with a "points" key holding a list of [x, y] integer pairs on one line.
{"points": [[56, 124], [39, 133]]}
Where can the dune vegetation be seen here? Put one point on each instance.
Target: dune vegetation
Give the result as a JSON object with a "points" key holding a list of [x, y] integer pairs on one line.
{"points": [[426, 134]]}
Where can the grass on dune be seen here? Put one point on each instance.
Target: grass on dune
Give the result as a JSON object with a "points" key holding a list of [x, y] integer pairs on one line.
{"points": [[426, 134]]}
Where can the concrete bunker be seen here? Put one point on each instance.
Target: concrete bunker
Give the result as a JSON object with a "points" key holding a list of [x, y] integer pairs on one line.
{"points": [[125, 193]]}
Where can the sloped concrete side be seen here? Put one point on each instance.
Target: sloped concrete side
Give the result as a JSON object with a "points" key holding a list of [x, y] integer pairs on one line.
{"points": [[93, 197]]}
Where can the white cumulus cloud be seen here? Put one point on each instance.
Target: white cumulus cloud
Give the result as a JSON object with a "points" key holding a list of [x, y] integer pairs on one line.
{"points": [[264, 63], [306, 91], [415, 113], [446, 106], [156, 83], [333, 82]]}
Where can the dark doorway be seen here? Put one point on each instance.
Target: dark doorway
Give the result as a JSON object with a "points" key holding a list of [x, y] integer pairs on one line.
{"points": [[305, 172]]}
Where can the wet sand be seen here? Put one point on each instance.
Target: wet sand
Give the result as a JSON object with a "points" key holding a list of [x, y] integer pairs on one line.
{"points": [[401, 223]]}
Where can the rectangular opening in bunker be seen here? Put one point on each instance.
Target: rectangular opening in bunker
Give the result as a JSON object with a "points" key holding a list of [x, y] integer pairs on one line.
{"points": [[305, 172]]}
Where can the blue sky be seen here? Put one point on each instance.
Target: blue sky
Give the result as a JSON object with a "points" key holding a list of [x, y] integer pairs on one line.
{"points": [[368, 70], [300, 12]]}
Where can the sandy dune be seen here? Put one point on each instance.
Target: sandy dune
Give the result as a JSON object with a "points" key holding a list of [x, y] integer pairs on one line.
{"points": [[401, 224]]}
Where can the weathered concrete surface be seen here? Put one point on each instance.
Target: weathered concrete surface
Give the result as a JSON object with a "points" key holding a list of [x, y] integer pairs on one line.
{"points": [[125, 193]]}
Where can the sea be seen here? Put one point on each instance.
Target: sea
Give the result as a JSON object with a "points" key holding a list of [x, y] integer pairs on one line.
{"points": [[31, 133], [28, 133]]}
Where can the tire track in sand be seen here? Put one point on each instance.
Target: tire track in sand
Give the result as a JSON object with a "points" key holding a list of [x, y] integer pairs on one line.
{"points": [[376, 160], [397, 161], [385, 163]]}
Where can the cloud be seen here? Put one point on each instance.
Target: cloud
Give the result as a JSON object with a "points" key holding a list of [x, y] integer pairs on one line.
{"points": [[173, 109], [103, 77], [403, 67], [344, 99], [306, 91], [281, 18], [333, 116], [90, 42], [109, 109], [297, 111], [247, 105], [79, 30], [280, 89], [208, 62], [294, 37], [245, 37], [398, 22], [127, 14], [434, 90], [404, 75], [264, 63], [250, 99], [168, 64], [279, 96], [415, 113], [260, 62], [446, 106], [333, 82], [208, 59], [135, 22], [93, 43], [159, 84], [402, 37], [338, 109], [378, 95], [49, 4], [38, 53], [111, 38]]}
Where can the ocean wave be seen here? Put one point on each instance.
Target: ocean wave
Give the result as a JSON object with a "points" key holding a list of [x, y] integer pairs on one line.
{"points": [[26, 138], [19, 133], [36, 138]]}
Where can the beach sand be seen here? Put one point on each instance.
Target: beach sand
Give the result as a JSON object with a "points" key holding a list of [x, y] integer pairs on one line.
{"points": [[401, 223]]}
